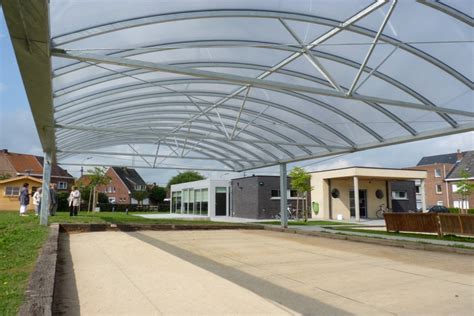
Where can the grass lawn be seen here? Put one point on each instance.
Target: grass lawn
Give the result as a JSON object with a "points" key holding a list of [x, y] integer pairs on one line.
{"points": [[21, 239], [308, 223], [413, 235]]}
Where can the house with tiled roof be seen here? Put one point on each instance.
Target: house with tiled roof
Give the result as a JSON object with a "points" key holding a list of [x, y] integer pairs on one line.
{"points": [[124, 182], [16, 165], [444, 172]]}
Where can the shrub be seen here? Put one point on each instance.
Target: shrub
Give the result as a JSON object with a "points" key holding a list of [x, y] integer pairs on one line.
{"points": [[456, 210], [63, 205]]}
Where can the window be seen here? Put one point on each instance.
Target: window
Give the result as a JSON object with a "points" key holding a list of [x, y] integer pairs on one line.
{"points": [[455, 188], [417, 189], [139, 188], [439, 188], [110, 190], [62, 185], [458, 204], [399, 195], [275, 193], [439, 203], [437, 173], [12, 191], [293, 193], [204, 205]]}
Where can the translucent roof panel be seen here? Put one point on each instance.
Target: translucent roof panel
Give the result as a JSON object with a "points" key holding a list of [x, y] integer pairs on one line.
{"points": [[237, 85]]}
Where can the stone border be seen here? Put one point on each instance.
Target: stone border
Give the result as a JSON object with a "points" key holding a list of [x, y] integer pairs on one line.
{"points": [[39, 295], [377, 241], [83, 228]]}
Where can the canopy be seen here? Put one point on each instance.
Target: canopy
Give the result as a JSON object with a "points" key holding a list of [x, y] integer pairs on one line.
{"points": [[238, 85]]}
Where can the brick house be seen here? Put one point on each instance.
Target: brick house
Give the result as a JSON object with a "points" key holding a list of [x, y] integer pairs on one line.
{"points": [[443, 171], [124, 181], [17, 165]]}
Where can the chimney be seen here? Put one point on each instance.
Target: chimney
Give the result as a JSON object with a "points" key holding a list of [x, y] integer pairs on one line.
{"points": [[459, 155]]}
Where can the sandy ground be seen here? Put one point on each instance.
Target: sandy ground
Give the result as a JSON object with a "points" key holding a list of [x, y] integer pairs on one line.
{"points": [[254, 272]]}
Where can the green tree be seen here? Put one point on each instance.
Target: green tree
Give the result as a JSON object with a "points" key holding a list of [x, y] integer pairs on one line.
{"points": [[157, 194], [140, 196], [97, 176], [103, 198], [300, 181], [464, 189], [183, 177]]}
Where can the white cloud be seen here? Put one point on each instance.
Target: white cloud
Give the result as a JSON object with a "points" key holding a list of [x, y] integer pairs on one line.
{"points": [[18, 132]]}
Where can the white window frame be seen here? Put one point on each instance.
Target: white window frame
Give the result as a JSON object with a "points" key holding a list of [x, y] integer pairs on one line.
{"points": [[396, 195], [440, 187], [12, 191], [440, 203], [62, 185], [437, 173]]}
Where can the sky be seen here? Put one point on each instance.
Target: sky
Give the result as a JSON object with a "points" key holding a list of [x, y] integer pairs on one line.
{"points": [[18, 133]]}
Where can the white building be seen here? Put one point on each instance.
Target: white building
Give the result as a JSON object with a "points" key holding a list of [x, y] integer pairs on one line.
{"points": [[204, 197]]}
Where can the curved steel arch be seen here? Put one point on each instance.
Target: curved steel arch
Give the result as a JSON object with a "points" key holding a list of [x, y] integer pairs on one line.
{"points": [[148, 106], [449, 10], [224, 160], [206, 14], [273, 104], [287, 72], [287, 109], [271, 131], [99, 140], [316, 53]]}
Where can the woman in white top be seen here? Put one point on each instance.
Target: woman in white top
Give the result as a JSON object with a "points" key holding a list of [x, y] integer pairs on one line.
{"points": [[74, 201], [37, 201]]}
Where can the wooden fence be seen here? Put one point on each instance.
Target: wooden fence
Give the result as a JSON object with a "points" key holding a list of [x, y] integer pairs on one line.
{"points": [[438, 223]]}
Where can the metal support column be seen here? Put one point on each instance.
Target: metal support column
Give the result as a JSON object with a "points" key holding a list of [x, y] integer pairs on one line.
{"points": [[423, 196], [44, 212], [356, 198], [283, 197]]}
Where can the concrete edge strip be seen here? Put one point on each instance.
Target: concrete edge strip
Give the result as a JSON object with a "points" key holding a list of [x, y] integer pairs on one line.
{"points": [[378, 241], [39, 295], [83, 228]]}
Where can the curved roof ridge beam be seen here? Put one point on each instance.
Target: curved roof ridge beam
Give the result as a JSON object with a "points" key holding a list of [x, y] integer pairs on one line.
{"points": [[320, 39], [148, 167], [312, 60], [372, 47], [257, 82], [70, 138], [393, 141], [169, 89], [93, 31], [196, 136], [443, 7], [208, 149], [282, 107], [108, 153]]}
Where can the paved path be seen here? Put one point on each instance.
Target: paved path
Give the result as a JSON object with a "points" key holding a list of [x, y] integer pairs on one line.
{"points": [[255, 272]]}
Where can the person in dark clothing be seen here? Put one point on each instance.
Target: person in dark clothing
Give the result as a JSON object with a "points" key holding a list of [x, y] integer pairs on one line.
{"points": [[24, 199], [53, 200]]}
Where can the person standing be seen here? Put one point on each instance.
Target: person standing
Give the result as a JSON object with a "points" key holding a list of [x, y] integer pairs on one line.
{"points": [[74, 201], [24, 199], [37, 201], [53, 199]]}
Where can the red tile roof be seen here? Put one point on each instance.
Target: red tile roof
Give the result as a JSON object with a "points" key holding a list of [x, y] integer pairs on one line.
{"points": [[33, 165]]}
